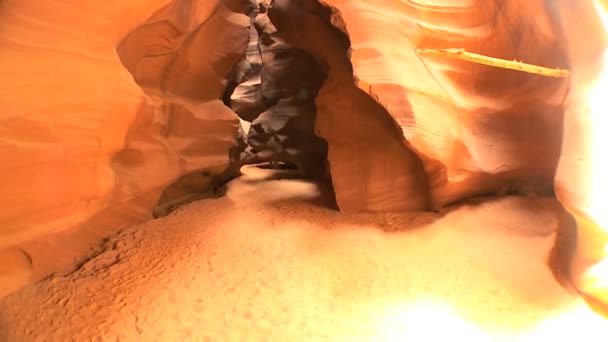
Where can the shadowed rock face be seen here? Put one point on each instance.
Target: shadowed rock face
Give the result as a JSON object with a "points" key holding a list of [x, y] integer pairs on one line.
{"points": [[276, 91], [371, 165], [244, 96]]}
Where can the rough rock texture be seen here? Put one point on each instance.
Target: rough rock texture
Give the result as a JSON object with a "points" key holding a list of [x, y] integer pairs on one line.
{"points": [[291, 79], [247, 98], [264, 264], [366, 147], [83, 146], [276, 95]]}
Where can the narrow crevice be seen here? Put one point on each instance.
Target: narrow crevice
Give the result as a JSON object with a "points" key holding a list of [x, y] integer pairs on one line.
{"points": [[373, 166], [277, 97]]}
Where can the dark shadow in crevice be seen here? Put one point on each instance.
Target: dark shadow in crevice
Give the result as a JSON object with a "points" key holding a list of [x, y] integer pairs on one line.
{"points": [[282, 134], [280, 165], [317, 28], [562, 253], [198, 185]]}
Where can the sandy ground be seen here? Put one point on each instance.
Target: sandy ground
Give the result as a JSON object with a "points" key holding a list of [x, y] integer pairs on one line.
{"points": [[265, 263]]}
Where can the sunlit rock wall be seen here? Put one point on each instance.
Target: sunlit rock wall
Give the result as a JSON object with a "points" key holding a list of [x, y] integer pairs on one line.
{"points": [[105, 104], [477, 129]]}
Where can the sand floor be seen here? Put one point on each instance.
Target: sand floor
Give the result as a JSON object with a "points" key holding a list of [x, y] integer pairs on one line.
{"points": [[265, 263]]}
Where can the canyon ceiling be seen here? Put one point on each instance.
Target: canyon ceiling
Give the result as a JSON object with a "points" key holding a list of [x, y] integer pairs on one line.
{"points": [[113, 112]]}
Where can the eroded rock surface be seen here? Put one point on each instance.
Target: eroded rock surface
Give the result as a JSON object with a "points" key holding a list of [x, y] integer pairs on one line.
{"points": [[182, 60], [366, 147], [476, 129], [276, 95], [104, 107]]}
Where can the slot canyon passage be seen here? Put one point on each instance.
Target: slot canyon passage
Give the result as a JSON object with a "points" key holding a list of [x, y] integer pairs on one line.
{"points": [[296, 170]]}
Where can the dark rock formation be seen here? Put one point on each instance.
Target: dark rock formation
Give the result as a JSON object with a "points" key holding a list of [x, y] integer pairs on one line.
{"points": [[276, 94]]}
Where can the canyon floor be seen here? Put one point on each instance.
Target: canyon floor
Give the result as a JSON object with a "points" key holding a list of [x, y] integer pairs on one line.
{"points": [[267, 262]]}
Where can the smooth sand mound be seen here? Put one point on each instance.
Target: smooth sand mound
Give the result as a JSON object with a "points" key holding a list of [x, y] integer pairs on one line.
{"points": [[267, 263]]}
